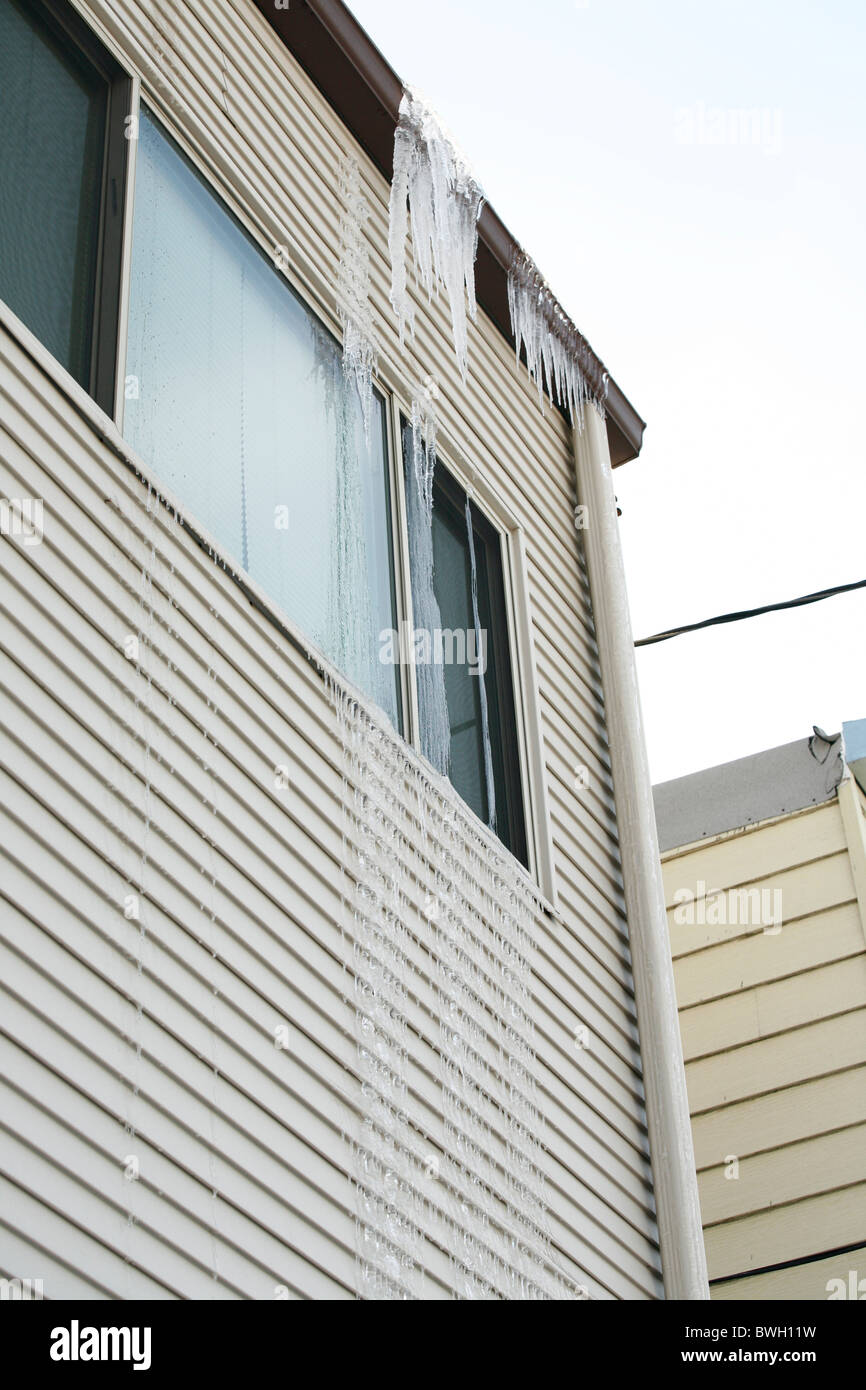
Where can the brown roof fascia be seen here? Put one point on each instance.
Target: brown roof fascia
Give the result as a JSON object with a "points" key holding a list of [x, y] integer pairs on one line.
{"points": [[364, 90]]}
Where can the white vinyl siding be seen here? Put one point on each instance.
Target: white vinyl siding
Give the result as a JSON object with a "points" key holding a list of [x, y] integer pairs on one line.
{"points": [[108, 773]]}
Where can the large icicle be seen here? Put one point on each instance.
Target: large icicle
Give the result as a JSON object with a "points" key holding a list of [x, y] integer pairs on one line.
{"points": [[430, 674], [437, 909], [555, 350], [353, 287], [433, 184]]}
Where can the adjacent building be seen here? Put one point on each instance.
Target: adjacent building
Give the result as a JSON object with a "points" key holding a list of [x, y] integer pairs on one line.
{"points": [[765, 877]]}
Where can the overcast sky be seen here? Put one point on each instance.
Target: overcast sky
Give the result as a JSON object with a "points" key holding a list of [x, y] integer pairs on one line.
{"points": [[715, 263]]}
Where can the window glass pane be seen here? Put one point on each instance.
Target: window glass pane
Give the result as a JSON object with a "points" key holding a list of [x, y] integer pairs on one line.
{"points": [[498, 688], [475, 660], [452, 584], [236, 397], [52, 118]]}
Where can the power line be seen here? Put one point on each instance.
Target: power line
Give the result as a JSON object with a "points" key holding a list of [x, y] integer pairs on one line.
{"points": [[751, 613]]}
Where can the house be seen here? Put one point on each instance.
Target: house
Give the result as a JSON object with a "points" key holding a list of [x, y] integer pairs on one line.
{"points": [[332, 967], [765, 876]]}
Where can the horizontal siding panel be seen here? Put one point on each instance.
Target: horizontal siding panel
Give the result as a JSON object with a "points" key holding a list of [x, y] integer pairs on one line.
{"points": [[773, 1024], [161, 775], [774, 1063], [800, 946], [744, 856], [827, 1222], [169, 857], [203, 788], [206, 790], [38, 1242], [767, 1122], [805, 890], [774, 1008], [256, 1171], [803, 1281], [785, 1175], [166, 1204], [566, 752]]}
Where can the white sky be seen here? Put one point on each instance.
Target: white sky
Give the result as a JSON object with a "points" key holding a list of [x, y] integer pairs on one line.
{"points": [[722, 285]]}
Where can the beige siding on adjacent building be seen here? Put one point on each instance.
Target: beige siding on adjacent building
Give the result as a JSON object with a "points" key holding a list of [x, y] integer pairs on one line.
{"points": [[774, 1037], [160, 1044]]}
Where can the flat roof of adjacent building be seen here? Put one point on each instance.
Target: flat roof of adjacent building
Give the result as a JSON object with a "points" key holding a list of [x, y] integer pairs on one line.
{"points": [[365, 91], [740, 793]]}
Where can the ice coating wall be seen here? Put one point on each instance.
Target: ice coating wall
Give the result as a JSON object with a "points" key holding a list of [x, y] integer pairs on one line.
{"points": [[452, 1173]]}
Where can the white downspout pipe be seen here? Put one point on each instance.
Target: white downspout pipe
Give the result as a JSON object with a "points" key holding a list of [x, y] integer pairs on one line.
{"points": [[684, 1266]]}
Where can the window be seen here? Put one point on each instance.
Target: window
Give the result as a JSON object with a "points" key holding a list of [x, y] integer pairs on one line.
{"points": [[236, 396], [62, 160], [464, 632]]}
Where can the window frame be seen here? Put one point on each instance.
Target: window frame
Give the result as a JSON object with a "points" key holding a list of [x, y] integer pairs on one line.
{"points": [[530, 772], [489, 541], [72, 29], [486, 535]]}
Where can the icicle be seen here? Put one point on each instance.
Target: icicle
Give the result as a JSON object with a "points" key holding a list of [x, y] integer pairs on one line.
{"points": [[555, 350], [444, 201], [432, 702], [351, 638], [353, 288], [481, 651]]}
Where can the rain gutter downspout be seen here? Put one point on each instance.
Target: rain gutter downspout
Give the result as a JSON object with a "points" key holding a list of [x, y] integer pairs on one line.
{"points": [[683, 1258]]}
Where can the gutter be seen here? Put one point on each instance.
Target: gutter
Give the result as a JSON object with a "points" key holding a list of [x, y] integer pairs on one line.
{"points": [[364, 90]]}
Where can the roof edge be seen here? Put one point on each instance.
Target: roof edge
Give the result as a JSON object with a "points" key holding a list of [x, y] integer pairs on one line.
{"points": [[365, 91], [737, 795]]}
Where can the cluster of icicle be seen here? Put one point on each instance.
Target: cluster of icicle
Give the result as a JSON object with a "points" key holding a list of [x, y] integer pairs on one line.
{"points": [[353, 288], [433, 185], [448, 1173], [555, 350], [430, 675]]}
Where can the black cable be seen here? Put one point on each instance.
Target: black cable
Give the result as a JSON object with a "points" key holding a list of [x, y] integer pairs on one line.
{"points": [[751, 613]]}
